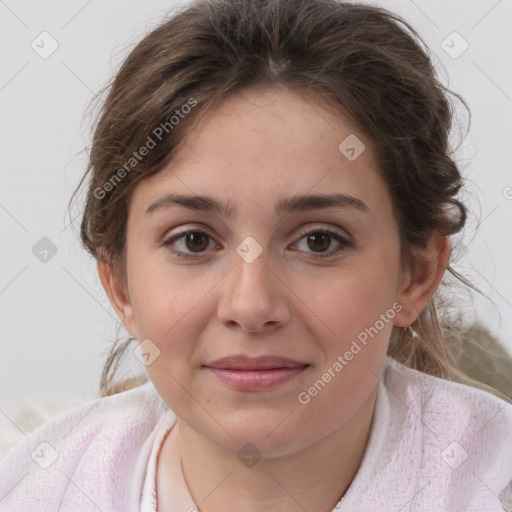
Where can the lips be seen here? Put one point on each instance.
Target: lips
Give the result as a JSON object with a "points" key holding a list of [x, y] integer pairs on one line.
{"points": [[245, 373], [243, 362]]}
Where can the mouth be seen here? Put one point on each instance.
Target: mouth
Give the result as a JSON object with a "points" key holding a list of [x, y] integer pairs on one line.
{"points": [[255, 374]]}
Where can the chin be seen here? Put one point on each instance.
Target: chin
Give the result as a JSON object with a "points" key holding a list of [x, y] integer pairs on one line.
{"points": [[260, 435]]}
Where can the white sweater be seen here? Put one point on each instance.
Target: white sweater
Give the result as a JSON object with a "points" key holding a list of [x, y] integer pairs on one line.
{"points": [[434, 446]]}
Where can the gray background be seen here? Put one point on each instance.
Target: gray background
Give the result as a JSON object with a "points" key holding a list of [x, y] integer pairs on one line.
{"points": [[56, 322]]}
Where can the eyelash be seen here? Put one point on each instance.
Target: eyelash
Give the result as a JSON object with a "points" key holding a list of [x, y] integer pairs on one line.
{"points": [[345, 244]]}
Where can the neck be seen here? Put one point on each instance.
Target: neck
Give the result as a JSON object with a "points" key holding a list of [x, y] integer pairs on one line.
{"points": [[313, 479]]}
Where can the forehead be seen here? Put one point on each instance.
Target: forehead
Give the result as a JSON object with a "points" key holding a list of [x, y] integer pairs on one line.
{"points": [[265, 145]]}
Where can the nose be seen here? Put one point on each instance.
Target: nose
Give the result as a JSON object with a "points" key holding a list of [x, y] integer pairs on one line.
{"points": [[253, 297]]}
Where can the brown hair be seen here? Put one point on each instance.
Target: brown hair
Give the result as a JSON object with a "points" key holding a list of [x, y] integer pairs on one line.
{"points": [[364, 61]]}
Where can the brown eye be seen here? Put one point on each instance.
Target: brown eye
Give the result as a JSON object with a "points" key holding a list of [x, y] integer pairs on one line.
{"points": [[319, 241], [188, 243], [196, 241]]}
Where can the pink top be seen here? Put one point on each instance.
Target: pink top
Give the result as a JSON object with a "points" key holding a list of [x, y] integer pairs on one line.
{"points": [[434, 445], [177, 486]]}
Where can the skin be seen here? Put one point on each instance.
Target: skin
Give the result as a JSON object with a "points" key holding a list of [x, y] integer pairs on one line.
{"points": [[253, 149]]}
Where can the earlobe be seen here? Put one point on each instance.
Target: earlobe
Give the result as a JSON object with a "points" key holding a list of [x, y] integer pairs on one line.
{"points": [[118, 296], [424, 279]]}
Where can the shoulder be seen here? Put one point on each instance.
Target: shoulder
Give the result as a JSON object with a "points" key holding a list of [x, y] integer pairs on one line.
{"points": [[463, 406], [465, 434], [96, 448]]}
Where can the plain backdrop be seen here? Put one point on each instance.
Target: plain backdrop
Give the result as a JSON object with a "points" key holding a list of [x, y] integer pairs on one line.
{"points": [[55, 319]]}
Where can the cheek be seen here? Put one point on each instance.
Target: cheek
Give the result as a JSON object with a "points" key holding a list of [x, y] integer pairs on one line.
{"points": [[357, 315], [345, 305], [164, 293], [170, 313]]}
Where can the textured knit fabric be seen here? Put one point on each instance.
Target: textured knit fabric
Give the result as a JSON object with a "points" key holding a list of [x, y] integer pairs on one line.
{"points": [[434, 446]]}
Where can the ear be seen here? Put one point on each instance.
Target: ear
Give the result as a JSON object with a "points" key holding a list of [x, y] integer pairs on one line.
{"points": [[423, 280], [118, 296]]}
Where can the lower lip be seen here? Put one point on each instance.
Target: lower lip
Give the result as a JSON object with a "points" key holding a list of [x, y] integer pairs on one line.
{"points": [[256, 380]]}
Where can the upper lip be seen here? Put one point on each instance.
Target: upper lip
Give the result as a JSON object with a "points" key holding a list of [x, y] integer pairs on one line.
{"points": [[243, 362]]}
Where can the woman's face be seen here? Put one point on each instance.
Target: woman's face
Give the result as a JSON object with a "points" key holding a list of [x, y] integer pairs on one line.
{"points": [[285, 271]]}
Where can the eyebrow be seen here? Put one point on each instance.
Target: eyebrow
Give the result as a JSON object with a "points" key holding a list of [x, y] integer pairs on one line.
{"points": [[297, 203]]}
